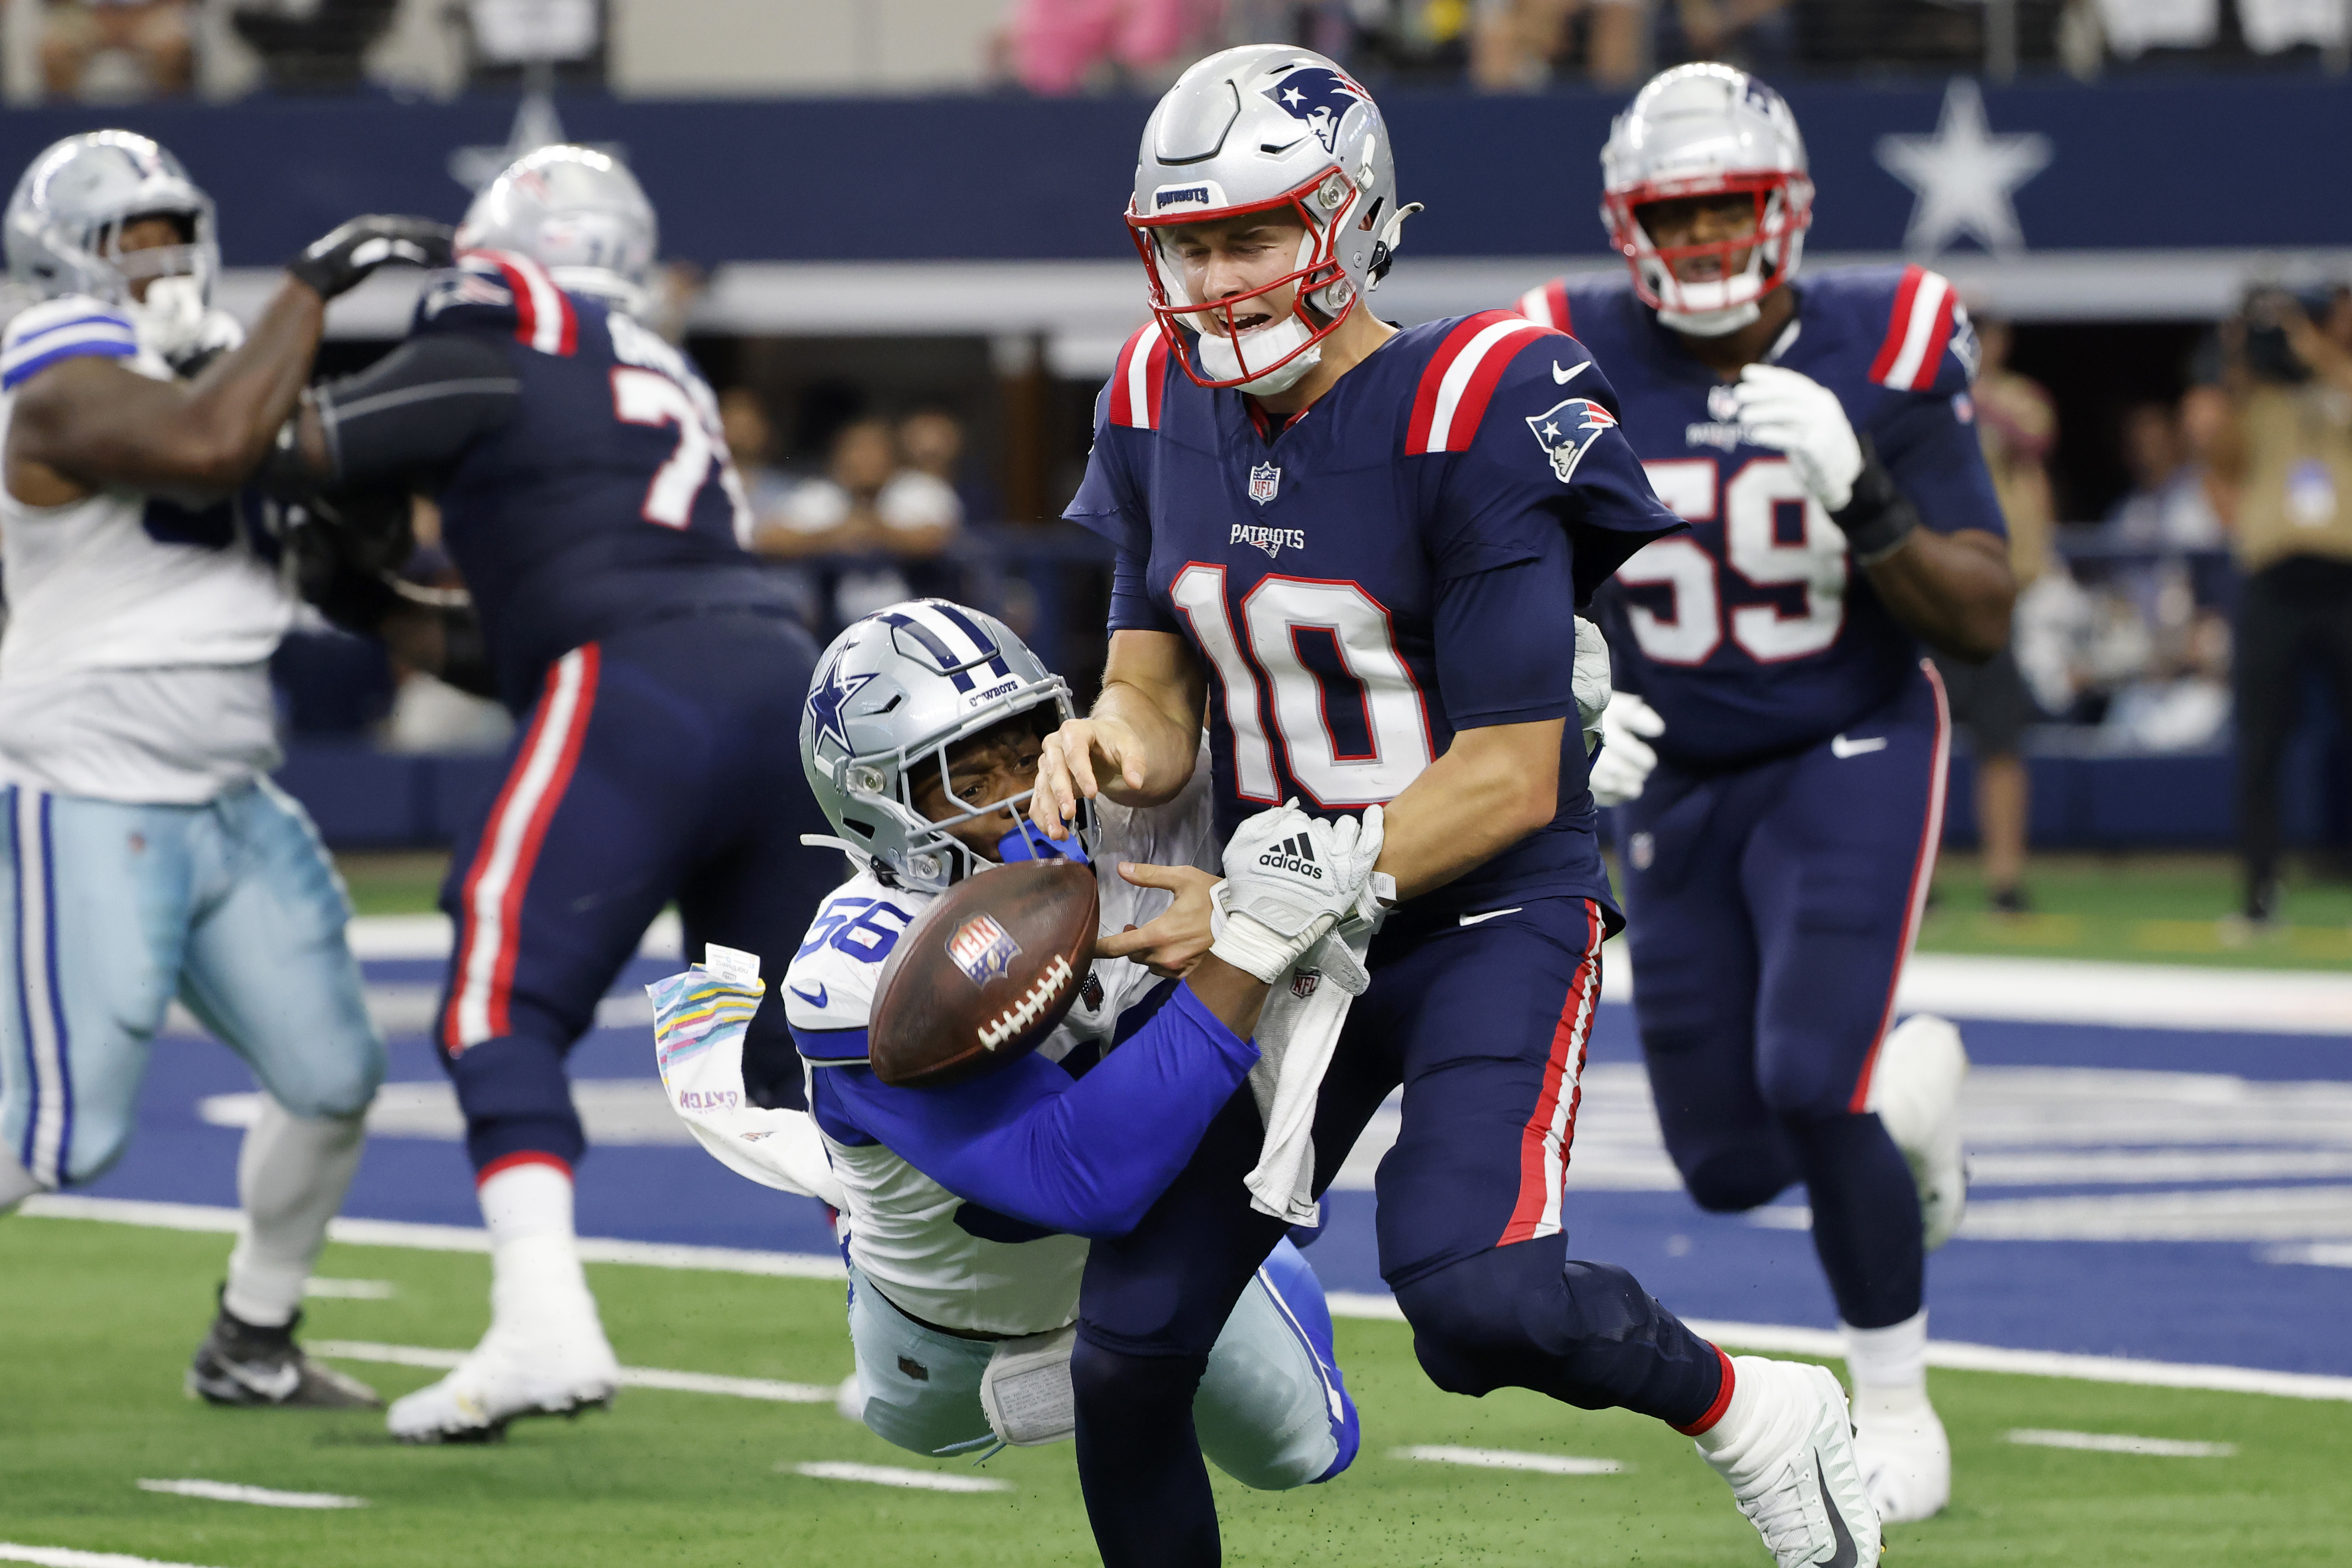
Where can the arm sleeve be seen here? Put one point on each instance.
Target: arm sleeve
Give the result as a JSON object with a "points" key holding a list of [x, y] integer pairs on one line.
{"points": [[1085, 1157], [417, 408], [1132, 607], [1507, 642]]}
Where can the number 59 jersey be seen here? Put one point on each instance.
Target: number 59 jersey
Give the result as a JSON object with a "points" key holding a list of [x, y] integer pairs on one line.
{"points": [[1400, 563], [1753, 634]]}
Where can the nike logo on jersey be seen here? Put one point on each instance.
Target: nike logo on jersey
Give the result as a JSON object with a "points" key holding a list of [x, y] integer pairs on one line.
{"points": [[1292, 854], [1490, 914], [1841, 748], [818, 1001], [1561, 378]]}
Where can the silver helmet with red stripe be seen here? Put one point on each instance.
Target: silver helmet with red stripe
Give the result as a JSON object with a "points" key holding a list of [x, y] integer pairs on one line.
{"points": [[1266, 128], [1701, 130], [893, 696], [579, 214]]}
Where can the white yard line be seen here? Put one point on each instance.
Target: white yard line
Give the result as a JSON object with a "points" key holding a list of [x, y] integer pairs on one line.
{"points": [[67, 1557], [631, 1376], [2324, 1254], [1511, 1459], [430, 936], [2117, 1443], [264, 1497], [892, 1476]]}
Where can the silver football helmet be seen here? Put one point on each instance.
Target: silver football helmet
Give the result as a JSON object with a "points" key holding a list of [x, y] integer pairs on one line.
{"points": [[893, 695], [64, 231], [577, 213], [1265, 128], [1703, 130]]}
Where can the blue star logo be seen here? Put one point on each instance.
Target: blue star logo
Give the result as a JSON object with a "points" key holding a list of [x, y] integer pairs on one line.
{"points": [[827, 701]]}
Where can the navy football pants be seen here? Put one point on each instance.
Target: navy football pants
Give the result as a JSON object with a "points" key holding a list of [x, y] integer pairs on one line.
{"points": [[1771, 910], [659, 764], [1485, 1026]]}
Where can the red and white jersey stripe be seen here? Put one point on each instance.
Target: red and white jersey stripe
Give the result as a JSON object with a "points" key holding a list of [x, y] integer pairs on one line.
{"points": [[1546, 306], [1545, 1141], [1917, 333], [1459, 379], [490, 902], [1142, 376], [544, 319]]}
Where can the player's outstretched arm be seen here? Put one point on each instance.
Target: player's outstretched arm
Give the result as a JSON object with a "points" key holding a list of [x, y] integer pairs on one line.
{"points": [[1138, 746], [1954, 590]]}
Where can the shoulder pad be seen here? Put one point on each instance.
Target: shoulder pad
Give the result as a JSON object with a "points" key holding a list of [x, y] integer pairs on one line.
{"points": [[1141, 377], [497, 290], [1455, 385], [1546, 306], [831, 982], [63, 329], [1922, 321]]}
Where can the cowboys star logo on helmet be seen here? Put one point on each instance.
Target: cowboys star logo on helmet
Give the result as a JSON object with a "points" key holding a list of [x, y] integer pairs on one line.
{"points": [[1565, 432]]}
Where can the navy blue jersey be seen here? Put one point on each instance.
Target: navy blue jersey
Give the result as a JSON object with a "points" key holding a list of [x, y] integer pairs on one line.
{"points": [[606, 498], [1399, 563], [1752, 634]]}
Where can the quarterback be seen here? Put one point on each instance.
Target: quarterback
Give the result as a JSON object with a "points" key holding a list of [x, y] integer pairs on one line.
{"points": [[1778, 741], [1351, 551]]}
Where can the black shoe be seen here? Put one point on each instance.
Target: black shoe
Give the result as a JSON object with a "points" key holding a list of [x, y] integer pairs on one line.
{"points": [[244, 1363], [2011, 899], [2262, 900]]}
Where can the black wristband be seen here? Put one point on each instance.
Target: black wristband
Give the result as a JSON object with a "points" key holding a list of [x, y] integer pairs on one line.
{"points": [[465, 655], [1877, 518]]}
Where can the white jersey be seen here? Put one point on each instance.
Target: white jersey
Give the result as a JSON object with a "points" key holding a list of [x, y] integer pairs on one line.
{"points": [[902, 1229], [134, 663]]}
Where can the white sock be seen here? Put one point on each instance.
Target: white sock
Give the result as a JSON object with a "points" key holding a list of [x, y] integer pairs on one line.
{"points": [[1761, 1422], [537, 1286], [291, 1174], [16, 1182], [1888, 1367]]}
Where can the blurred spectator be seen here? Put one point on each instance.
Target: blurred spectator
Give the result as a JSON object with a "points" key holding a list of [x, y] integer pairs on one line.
{"points": [[751, 442], [2289, 449], [115, 50], [1756, 35], [1517, 45], [312, 46], [2018, 425], [2170, 504], [931, 441], [1056, 47], [868, 504]]}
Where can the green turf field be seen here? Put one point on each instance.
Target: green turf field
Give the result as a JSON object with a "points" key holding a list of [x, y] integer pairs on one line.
{"points": [[99, 1320]]}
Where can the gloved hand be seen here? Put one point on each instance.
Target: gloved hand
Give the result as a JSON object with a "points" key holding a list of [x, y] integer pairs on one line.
{"points": [[1626, 757], [343, 260], [1289, 879], [1590, 681], [1790, 412]]}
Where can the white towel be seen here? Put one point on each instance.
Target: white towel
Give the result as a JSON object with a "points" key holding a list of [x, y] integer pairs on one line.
{"points": [[1297, 1032]]}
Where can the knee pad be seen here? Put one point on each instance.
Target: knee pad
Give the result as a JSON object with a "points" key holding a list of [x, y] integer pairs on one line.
{"points": [[1475, 1322], [1112, 1385], [1732, 1179], [341, 1088]]}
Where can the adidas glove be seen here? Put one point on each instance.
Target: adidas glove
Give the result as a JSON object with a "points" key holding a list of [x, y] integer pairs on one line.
{"points": [[1289, 879], [343, 259], [1622, 769]]}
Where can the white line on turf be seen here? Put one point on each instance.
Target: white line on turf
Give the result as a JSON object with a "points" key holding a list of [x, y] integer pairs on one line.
{"points": [[430, 936], [892, 1476], [2325, 1254], [2117, 1443], [265, 1497], [1510, 1460], [631, 1376], [67, 1557], [1825, 1343], [350, 1290]]}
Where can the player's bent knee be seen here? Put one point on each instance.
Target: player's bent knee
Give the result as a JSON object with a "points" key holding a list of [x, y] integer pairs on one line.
{"points": [[1733, 1181], [340, 1087]]}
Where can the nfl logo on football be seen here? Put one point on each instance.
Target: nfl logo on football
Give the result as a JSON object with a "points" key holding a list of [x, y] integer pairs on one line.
{"points": [[984, 949], [1264, 480]]}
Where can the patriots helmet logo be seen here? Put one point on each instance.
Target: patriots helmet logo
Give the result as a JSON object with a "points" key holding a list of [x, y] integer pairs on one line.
{"points": [[826, 703], [1567, 430], [1321, 97]]}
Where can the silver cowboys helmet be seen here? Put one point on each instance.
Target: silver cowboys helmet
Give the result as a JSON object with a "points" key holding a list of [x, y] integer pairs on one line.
{"points": [[577, 213], [1704, 131], [892, 695], [64, 224], [1266, 128]]}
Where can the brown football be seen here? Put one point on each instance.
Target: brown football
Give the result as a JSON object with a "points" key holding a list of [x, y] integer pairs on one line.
{"points": [[984, 974]]}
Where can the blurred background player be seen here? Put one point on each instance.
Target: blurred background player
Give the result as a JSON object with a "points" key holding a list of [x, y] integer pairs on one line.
{"points": [[1393, 525], [965, 1207], [587, 497], [1817, 437], [148, 854]]}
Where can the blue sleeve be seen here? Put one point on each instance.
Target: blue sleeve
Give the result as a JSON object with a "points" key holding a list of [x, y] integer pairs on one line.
{"points": [[1107, 502], [1507, 642], [1084, 1158], [1132, 607], [1930, 444]]}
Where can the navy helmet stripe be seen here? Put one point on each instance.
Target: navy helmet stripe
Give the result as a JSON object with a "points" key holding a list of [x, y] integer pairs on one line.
{"points": [[951, 663], [980, 639]]}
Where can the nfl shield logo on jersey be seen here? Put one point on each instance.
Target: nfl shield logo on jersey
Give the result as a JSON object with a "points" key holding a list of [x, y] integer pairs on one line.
{"points": [[1566, 431], [1264, 480]]}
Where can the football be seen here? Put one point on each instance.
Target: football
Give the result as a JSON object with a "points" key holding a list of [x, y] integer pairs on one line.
{"points": [[984, 974]]}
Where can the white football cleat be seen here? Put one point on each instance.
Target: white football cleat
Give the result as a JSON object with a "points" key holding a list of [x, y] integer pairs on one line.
{"points": [[1798, 1481], [1917, 1093], [1905, 1458], [510, 1374]]}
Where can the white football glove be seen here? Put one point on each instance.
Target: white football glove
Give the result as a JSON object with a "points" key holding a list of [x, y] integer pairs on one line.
{"points": [[1626, 756], [1790, 412], [1289, 879], [1590, 681]]}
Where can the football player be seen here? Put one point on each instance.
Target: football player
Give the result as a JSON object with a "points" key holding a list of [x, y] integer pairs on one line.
{"points": [[148, 855], [587, 497], [965, 1209], [1817, 436], [1350, 550]]}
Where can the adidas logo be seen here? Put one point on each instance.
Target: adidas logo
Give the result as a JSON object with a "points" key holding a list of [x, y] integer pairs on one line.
{"points": [[1292, 854]]}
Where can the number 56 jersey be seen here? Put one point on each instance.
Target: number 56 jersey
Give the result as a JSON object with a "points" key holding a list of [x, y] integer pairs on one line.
{"points": [[1753, 634], [1400, 563]]}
